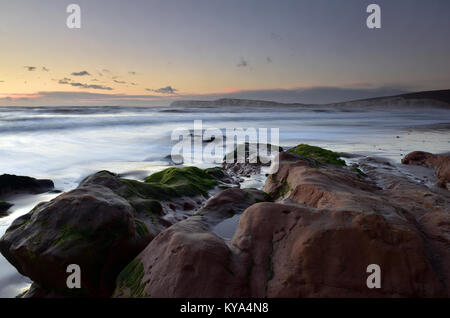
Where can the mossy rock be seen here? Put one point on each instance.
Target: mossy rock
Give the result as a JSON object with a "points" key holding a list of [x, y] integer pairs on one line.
{"points": [[359, 173], [216, 172], [319, 154], [141, 228], [245, 148], [130, 279], [188, 181], [145, 190]]}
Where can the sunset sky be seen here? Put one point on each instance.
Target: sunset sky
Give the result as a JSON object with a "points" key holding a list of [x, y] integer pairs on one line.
{"points": [[150, 52]]}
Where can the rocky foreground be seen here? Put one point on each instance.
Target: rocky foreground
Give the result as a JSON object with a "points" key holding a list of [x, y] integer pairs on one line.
{"points": [[311, 232]]}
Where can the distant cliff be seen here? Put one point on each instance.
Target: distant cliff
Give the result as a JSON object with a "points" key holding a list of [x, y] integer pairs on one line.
{"points": [[439, 99], [231, 102]]}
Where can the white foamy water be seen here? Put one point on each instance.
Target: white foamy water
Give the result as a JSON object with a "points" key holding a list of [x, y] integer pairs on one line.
{"points": [[66, 144]]}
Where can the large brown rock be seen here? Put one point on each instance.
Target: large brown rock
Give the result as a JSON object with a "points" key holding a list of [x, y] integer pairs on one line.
{"points": [[301, 252], [389, 200], [441, 164], [188, 259], [90, 226]]}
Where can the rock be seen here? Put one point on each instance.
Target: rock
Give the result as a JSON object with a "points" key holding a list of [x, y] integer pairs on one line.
{"points": [[4, 207], [300, 180], [100, 226], [247, 160], [340, 191], [223, 175], [300, 252], [12, 184], [229, 202], [441, 164], [89, 226], [35, 291], [188, 181], [318, 154], [187, 259]]}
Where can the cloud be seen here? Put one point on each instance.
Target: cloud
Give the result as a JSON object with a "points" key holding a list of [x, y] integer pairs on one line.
{"points": [[68, 81], [44, 69], [65, 80], [2, 81], [119, 82], [163, 90], [242, 63], [275, 36], [82, 73], [80, 98], [30, 68]]}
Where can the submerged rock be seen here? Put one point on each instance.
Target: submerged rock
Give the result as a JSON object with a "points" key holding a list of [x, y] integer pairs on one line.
{"points": [[4, 207], [12, 184]]}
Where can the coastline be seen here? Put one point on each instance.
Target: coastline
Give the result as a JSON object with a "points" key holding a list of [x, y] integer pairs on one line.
{"points": [[415, 132], [210, 227]]}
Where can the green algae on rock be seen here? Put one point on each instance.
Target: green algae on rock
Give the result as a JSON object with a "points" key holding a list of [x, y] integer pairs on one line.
{"points": [[318, 154], [129, 280], [188, 181]]}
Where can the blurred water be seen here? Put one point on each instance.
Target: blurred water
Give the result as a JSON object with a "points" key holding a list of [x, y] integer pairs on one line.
{"points": [[66, 144]]}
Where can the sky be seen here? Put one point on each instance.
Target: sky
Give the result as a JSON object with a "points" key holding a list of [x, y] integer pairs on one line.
{"points": [[150, 52]]}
